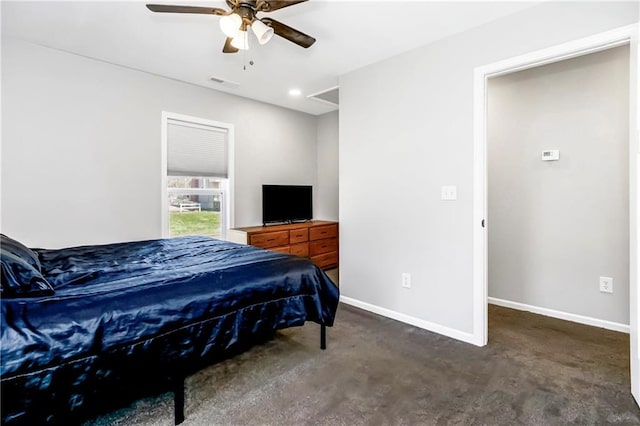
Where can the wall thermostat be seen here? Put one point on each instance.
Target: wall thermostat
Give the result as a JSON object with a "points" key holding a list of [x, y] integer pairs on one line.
{"points": [[551, 155]]}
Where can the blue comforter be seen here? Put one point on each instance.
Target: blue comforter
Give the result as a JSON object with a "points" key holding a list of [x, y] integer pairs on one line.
{"points": [[151, 306]]}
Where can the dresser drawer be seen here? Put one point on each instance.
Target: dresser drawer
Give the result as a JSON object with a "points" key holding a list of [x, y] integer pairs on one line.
{"points": [[323, 246], [298, 235], [320, 232], [270, 239], [325, 260], [299, 249], [285, 249]]}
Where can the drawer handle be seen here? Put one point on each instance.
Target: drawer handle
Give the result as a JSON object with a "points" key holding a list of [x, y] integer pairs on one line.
{"points": [[271, 239]]}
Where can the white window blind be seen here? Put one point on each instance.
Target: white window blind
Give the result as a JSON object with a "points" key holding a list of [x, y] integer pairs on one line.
{"points": [[196, 150]]}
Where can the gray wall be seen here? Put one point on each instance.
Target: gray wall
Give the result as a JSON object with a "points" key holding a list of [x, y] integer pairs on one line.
{"points": [[327, 187], [406, 129], [81, 147], [556, 227]]}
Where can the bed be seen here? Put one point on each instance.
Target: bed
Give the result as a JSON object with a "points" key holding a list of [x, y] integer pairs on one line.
{"points": [[88, 329]]}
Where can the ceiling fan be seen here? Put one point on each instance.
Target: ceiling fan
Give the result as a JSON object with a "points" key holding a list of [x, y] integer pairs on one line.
{"points": [[243, 14]]}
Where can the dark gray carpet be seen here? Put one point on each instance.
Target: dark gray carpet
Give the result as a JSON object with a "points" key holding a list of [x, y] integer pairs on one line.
{"points": [[376, 371]]}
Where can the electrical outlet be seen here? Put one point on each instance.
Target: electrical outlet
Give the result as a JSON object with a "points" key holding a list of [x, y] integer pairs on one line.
{"points": [[606, 284], [406, 280], [449, 193]]}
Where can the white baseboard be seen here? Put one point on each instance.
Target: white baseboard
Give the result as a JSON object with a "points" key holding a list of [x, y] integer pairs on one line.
{"points": [[609, 325], [407, 319]]}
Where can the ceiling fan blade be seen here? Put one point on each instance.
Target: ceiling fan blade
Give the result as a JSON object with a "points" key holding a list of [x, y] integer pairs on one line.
{"points": [[228, 48], [166, 8], [270, 5], [291, 34]]}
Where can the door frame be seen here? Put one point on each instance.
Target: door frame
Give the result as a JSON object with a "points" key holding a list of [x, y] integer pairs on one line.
{"points": [[605, 40]]}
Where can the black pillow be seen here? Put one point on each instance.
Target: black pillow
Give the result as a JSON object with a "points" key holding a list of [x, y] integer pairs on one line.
{"points": [[20, 279], [20, 250]]}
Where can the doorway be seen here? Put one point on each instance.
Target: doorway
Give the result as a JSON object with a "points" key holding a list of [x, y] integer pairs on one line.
{"points": [[558, 189], [600, 42]]}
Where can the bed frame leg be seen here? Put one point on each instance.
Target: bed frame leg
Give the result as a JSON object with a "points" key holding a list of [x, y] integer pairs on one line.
{"points": [[178, 398], [323, 336]]}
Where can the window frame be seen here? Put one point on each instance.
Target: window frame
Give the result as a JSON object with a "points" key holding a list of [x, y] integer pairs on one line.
{"points": [[227, 220]]}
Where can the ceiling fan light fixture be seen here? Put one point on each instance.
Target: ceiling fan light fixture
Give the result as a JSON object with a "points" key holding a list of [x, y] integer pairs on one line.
{"points": [[241, 40], [262, 31], [230, 24]]}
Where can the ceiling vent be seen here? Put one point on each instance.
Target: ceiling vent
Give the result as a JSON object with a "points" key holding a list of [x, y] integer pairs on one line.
{"points": [[328, 96], [224, 83]]}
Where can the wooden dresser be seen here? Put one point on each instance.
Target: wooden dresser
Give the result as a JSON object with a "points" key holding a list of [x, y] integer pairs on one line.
{"points": [[317, 240]]}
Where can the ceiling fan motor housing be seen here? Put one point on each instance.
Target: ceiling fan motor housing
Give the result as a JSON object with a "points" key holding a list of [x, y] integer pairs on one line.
{"points": [[246, 12]]}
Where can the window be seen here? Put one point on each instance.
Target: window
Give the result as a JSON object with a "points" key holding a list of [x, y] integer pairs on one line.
{"points": [[197, 176]]}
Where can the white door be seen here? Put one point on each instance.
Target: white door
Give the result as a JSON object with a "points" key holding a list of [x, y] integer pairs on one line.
{"points": [[634, 222]]}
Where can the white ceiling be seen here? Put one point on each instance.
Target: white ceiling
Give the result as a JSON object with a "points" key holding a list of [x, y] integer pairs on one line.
{"points": [[350, 35]]}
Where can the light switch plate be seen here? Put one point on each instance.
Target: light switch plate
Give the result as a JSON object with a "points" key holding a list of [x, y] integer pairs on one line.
{"points": [[449, 192]]}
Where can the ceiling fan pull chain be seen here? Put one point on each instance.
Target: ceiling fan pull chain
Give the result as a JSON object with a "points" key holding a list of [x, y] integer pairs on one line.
{"points": [[244, 66]]}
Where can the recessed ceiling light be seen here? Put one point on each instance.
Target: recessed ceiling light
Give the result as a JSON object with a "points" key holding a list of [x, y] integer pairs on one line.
{"points": [[295, 92]]}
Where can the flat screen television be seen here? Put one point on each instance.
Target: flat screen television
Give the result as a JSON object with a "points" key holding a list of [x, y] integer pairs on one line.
{"points": [[286, 203]]}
